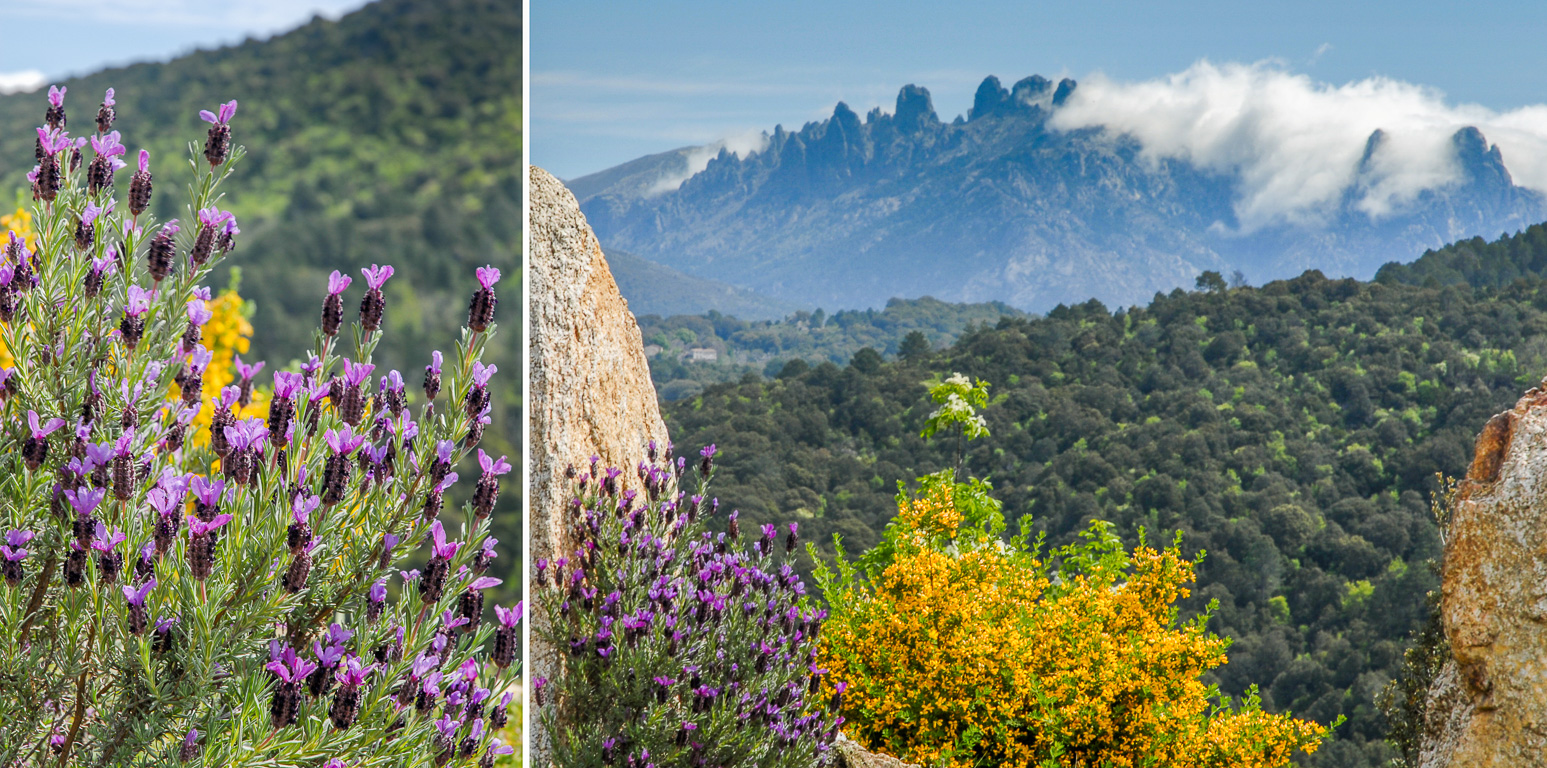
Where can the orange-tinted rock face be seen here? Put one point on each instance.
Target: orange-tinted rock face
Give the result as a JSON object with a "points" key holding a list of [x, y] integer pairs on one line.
{"points": [[1489, 706], [590, 387]]}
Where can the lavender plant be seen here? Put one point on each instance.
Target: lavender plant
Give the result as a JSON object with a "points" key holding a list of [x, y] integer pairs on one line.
{"points": [[682, 646], [233, 597]]}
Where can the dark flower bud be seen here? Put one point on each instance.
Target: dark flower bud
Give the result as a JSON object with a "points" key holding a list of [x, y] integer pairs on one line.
{"points": [[106, 114], [286, 705], [34, 451], [335, 478], [132, 327], [217, 145], [12, 571], [432, 582], [140, 186], [203, 245], [161, 255], [166, 530], [433, 502], [75, 567], [109, 565], [85, 233], [373, 304], [346, 707], [9, 303], [99, 175], [470, 607], [137, 619], [49, 179], [300, 569]]}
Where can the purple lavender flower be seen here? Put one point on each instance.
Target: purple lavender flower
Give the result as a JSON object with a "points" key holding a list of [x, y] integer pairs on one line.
{"points": [[138, 621], [505, 639], [12, 553], [217, 145], [35, 449], [56, 102], [197, 527], [432, 376], [439, 547], [343, 441], [388, 542], [337, 282], [140, 186], [108, 149], [480, 312], [190, 747], [376, 277], [46, 428], [227, 111]]}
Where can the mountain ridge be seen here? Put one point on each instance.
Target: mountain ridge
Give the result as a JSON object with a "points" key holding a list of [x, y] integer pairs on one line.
{"points": [[848, 212]]}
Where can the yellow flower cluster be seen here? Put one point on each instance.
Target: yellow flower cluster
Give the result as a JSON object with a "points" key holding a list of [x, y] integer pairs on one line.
{"points": [[227, 334], [971, 654]]}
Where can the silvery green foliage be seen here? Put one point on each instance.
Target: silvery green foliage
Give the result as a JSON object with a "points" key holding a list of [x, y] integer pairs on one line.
{"points": [[680, 646], [236, 600]]}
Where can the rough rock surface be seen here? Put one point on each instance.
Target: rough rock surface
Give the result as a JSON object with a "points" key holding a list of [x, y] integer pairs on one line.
{"points": [[852, 755], [1488, 707], [591, 392]]}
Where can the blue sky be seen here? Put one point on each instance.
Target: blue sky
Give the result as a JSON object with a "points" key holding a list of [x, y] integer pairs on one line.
{"points": [[613, 80], [47, 40]]}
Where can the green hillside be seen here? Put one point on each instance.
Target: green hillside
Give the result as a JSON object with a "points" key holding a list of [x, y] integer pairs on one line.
{"points": [[762, 347], [390, 136], [1292, 432], [1476, 262]]}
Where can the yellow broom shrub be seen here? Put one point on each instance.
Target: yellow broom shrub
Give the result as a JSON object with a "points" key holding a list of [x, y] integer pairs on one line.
{"points": [[959, 649]]}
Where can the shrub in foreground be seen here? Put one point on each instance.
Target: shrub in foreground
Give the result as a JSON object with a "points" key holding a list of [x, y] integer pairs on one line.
{"points": [[230, 594], [960, 649], [679, 646]]}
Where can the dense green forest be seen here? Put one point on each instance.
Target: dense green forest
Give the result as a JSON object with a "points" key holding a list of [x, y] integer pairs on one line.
{"points": [[1292, 432], [904, 326], [390, 136], [1476, 262]]}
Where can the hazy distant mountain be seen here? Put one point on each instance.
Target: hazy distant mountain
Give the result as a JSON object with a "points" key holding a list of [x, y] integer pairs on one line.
{"points": [[850, 212], [653, 289]]}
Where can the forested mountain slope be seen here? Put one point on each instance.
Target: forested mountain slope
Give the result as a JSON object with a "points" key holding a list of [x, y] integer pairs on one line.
{"points": [[1292, 432]]}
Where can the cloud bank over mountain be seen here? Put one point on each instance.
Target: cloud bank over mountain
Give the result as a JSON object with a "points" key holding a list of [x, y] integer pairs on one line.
{"points": [[1298, 147], [697, 159]]}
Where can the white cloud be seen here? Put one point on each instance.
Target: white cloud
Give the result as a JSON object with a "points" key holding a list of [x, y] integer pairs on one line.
{"points": [[1296, 145], [25, 81], [697, 159]]}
